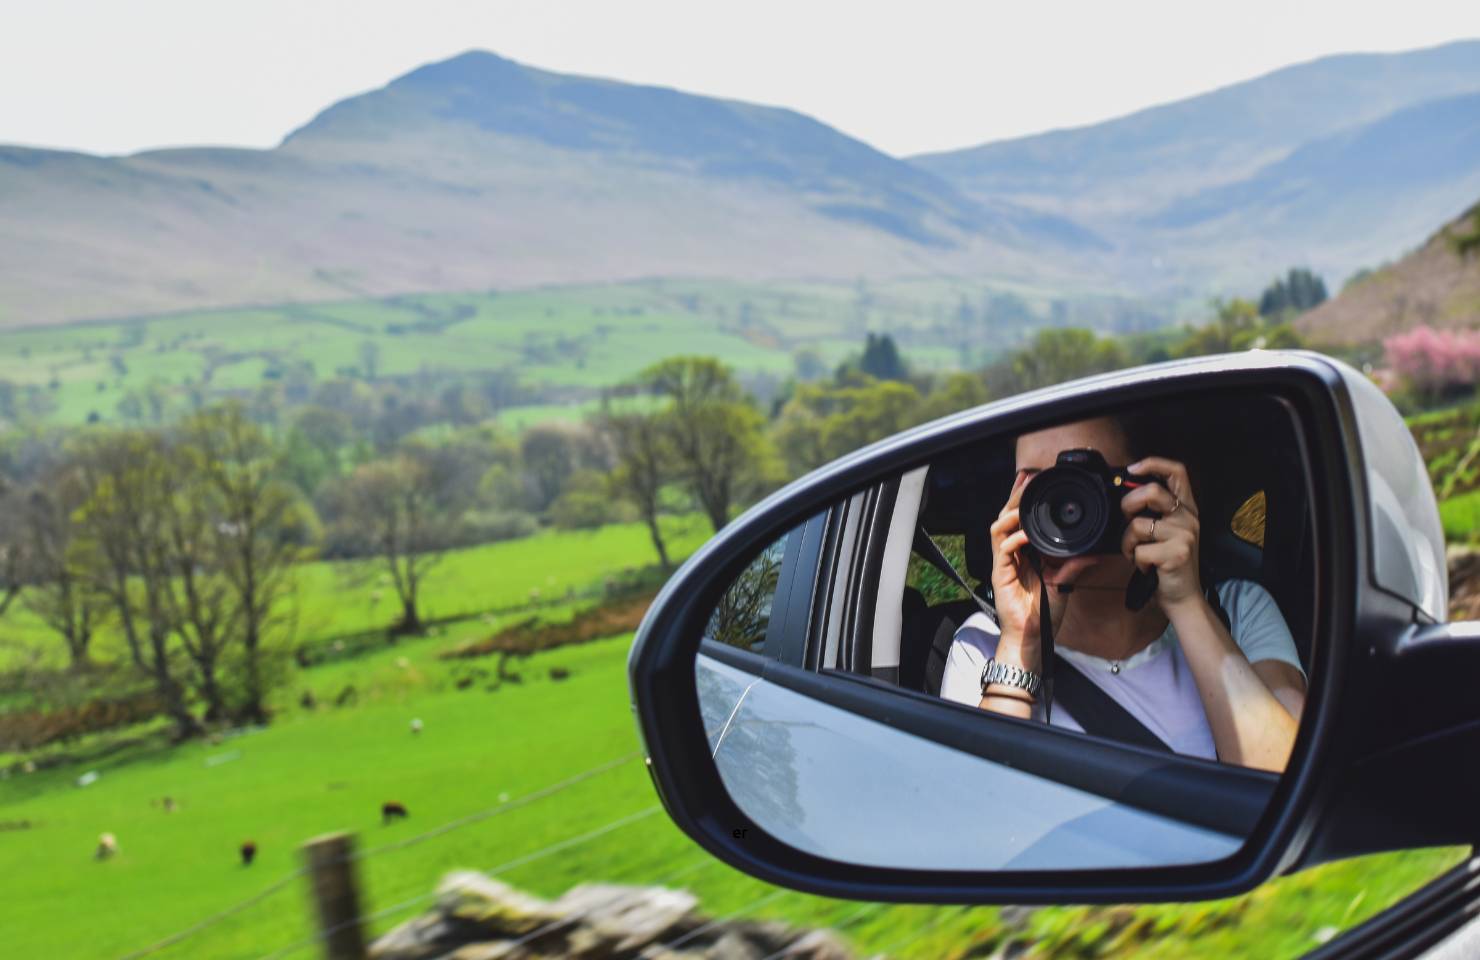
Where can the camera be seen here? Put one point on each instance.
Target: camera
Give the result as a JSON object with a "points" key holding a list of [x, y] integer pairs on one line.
{"points": [[1073, 508]]}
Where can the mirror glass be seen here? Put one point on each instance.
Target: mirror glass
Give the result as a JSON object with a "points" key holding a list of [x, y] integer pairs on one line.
{"points": [[878, 686]]}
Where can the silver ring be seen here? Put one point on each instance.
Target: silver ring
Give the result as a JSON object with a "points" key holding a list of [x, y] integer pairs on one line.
{"points": [[1176, 503], [1153, 528]]}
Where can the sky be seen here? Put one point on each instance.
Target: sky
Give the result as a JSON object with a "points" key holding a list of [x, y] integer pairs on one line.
{"points": [[105, 76]]}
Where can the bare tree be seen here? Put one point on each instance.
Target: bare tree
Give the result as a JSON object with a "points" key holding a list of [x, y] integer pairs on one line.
{"points": [[197, 596], [59, 593], [12, 549], [405, 511], [645, 465], [240, 472], [130, 482]]}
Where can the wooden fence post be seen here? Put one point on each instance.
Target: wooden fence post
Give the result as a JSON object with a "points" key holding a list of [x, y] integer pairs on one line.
{"points": [[332, 879]]}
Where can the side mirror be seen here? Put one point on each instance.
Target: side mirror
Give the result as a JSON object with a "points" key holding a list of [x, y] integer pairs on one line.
{"points": [[809, 685]]}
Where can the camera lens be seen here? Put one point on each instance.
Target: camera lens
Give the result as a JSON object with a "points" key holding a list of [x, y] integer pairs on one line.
{"points": [[1064, 511], [1068, 512]]}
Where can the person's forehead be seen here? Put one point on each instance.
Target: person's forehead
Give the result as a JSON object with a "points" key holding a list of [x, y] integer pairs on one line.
{"points": [[1100, 433]]}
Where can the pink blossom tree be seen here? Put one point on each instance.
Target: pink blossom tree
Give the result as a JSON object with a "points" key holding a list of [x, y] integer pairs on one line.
{"points": [[1434, 362]]}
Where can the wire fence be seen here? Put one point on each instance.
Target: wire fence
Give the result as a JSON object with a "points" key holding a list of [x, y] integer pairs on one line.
{"points": [[478, 816], [535, 797], [216, 918]]}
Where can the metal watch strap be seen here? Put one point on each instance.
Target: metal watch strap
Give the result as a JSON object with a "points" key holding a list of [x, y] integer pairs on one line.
{"points": [[1008, 675]]}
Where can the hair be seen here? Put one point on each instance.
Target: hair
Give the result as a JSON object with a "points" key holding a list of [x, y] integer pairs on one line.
{"points": [[1137, 429], [1140, 430]]}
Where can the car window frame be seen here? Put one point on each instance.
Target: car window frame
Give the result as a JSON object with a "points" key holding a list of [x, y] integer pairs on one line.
{"points": [[1222, 796]]}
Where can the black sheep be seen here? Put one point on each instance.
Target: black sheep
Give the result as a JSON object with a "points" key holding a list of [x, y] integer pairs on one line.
{"points": [[249, 853], [390, 810]]}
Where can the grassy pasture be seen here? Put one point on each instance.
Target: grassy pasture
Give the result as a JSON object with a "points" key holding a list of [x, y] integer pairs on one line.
{"points": [[573, 340], [329, 769], [333, 599]]}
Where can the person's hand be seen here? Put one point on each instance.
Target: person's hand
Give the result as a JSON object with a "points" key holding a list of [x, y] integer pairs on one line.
{"points": [[1168, 543], [1015, 586]]}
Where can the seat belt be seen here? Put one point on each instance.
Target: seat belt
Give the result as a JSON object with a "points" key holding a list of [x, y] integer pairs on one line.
{"points": [[927, 548], [1094, 709], [1098, 713]]}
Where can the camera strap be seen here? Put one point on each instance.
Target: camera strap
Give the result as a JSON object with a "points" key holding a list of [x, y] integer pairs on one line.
{"points": [[1045, 636], [1094, 709], [1096, 712]]}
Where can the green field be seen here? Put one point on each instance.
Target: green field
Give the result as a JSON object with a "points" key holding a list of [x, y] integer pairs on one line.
{"points": [[486, 747], [566, 343], [329, 769], [337, 599]]}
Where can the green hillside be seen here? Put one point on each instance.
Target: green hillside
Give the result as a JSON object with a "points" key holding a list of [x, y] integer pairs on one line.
{"points": [[554, 348]]}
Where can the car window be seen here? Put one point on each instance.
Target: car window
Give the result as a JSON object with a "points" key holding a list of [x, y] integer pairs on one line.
{"points": [[1248, 520], [743, 613]]}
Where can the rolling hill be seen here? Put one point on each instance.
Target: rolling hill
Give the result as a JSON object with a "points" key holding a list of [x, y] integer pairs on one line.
{"points": [[478, 172], [1336, 164], [1437, 285]]}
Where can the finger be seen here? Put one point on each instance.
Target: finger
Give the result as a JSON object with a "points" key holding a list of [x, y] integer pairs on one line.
{"points": [[1018, 483], [1138, 531], [1008, 562], [1168, 555], [1176, 474], [1012, 544], [1149, 496], [1007, 522]]}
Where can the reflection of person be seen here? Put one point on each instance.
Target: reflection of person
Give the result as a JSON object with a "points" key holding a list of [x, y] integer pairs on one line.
{"points": [[1232, 693]]}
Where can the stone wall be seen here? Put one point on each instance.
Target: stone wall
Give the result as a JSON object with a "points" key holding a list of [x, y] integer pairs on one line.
{"points": [[477, 918]]}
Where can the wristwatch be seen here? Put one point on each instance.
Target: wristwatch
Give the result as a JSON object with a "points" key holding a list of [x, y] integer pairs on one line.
{"points": [[1007, 675]]}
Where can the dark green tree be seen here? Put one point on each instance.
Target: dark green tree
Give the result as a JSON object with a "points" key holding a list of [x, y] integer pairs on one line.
{"points": [[1298, 291], [881, 359]]}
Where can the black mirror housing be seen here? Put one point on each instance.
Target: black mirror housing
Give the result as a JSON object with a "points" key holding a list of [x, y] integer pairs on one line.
{"points": [[1362, 777]]}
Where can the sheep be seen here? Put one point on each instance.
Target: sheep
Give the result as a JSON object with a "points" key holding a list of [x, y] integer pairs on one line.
{"points": [[107, 846], [415, 725], [391, 809], [249, 852]]}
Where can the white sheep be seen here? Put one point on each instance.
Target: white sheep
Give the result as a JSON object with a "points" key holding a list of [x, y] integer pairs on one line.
{"points": [[107, 846], [416, 725]]}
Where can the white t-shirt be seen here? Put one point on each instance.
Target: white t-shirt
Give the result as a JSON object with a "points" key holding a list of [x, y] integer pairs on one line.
{"points": [[1155, 685]]}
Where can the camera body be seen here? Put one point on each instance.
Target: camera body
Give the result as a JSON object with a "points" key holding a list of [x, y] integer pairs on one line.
{"points": [[1073, 508]]}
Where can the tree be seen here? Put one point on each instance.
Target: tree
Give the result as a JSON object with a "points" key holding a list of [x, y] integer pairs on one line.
{"points": [[313, 445], [646, 463], [1433, 362], [197, 597], [1298, 291], [13, 544], [404, 510], [549, 454], [254, 541], [586, 502], [881, 358], [130, 481], [1053, 357], [59, 592], [821, 423], [960, 391], [809, 364], [369, 359], [715, 432], [1238, 326]]}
